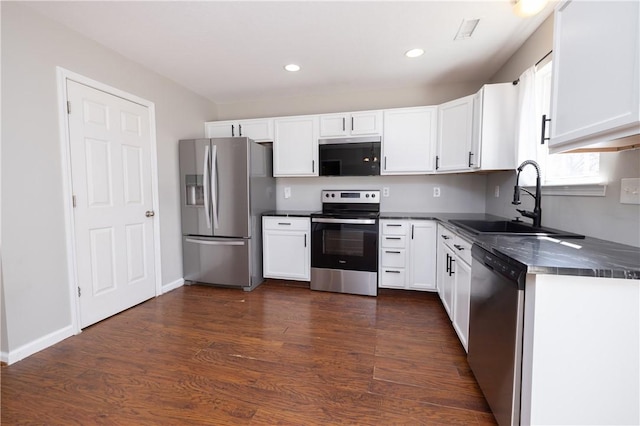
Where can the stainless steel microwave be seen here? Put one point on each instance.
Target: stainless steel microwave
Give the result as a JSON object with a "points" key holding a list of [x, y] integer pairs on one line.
{"points": [[358, 156]]}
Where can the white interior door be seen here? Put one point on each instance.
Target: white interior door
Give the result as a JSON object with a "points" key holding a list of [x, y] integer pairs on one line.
{"points": [[110, 145]]}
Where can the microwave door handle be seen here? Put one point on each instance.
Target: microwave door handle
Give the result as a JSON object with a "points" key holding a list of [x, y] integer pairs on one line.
{"points": [[207, 209], [214, 186]]}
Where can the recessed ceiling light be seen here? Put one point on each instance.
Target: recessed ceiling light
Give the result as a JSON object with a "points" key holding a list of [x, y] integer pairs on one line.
{"points": [[414, 53], [292, 67]]}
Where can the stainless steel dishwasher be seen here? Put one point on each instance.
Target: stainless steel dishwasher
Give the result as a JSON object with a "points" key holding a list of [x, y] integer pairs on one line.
{"points": [[496, 318]]}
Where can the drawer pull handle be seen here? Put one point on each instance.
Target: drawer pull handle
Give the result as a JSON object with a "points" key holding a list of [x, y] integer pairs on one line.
{"points": [[459, 247], [445, 237], [394, 224], [392, 272], [392, 238], [284, 223], [392, 252]]}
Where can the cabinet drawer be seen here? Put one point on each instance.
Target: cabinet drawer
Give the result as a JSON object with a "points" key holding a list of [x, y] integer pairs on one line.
{"points": [[394, 228], [393, 258], [392, 277], [462, 249], [392, 241], [286, 223]]}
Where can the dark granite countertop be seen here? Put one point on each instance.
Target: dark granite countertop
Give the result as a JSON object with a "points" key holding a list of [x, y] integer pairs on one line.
{"points": [[590, 257], [288, 213], [541, 255]]}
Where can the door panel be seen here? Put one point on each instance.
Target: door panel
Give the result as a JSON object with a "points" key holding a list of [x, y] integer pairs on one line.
{"points": [[217, 261], [230, 187], [195, 165], [110, 148]]}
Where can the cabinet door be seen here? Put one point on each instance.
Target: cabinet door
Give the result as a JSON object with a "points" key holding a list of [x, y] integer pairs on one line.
{"points": [[295, 146], [461, 301], [409, 135], [442, 234], [595, 97], [422, 250], [334, 125], [455, 131], [448, 281], [259, 130], [366, 123], [220, 129], [286, 255]]}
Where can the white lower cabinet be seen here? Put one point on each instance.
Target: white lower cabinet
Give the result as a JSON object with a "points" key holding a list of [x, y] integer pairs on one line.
{"points": [[407, 254], [454, 279], [286, 247]]}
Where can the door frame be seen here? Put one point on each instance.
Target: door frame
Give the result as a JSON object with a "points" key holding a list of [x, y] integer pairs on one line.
{"points": [[62, 76]]}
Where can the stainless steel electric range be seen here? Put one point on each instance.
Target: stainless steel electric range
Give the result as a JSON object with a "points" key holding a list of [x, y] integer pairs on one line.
{"points": [[344, 242]]}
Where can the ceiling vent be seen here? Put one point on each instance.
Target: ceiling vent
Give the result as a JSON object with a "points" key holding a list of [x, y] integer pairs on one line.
{"points": [[466, 29]]}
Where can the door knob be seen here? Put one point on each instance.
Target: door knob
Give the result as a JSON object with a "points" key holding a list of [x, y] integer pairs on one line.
{"points": [[150, 213]]}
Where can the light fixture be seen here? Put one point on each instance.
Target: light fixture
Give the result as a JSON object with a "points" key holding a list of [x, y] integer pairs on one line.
{"points": [[292, 67], [525, 8], [414, 53]]}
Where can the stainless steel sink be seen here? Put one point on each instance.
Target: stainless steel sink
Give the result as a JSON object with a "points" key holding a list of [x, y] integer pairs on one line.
{"points": [[510, 227]]}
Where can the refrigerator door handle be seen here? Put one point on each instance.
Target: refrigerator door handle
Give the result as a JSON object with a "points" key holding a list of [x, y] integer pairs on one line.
{"points": [[207, 213], [214, 186], [215, 243]]}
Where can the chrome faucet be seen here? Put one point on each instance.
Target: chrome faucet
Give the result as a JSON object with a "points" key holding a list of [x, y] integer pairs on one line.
{"points": [[536, 214]]}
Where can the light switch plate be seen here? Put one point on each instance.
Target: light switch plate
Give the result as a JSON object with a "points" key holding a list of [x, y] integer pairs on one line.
{"points": [[630, 191]]}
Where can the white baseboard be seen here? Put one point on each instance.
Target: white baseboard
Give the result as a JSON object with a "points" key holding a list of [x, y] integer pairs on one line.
{"points": [[37, 345], [4, 357], [172, 286]]}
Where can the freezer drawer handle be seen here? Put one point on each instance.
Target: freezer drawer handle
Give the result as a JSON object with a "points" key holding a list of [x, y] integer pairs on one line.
{"points": [[215, 243]]}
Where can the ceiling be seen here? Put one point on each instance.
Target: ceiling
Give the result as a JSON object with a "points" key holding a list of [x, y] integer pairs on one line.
{"points": [[235, 51]]}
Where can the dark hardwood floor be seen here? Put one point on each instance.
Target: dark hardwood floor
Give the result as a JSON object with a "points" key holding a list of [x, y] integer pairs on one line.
{"points": [[282, 354]]}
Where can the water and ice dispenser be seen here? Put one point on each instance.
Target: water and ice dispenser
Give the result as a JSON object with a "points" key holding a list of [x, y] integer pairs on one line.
{"points": [[194, 190]]}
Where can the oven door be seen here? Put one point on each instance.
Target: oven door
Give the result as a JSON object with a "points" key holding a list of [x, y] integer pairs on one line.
{"points": [[345, 244]]}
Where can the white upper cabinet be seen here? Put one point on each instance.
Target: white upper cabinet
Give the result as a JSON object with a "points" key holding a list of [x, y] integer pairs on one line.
{"points": [[493, 144], [595, 92], [351, 124], [409, 137], [478, 132], [455, 133], [295, 146], [260, 130]]}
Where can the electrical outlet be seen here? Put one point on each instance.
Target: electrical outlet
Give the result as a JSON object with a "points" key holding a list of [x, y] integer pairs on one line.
{"points": [[287, 192], [630, 191], [496, 191], [385, 191], [436, 191]]}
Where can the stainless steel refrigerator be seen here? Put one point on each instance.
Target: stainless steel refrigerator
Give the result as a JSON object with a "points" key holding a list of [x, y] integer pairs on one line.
{"points": [[227, 184]]}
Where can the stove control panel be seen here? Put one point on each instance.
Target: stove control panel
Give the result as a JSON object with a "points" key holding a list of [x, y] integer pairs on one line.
{"points": [[346, 196]]}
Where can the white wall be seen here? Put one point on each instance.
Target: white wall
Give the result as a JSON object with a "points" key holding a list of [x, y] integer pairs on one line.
{"points": [[36, 291], [347, 101], [459, 192]]}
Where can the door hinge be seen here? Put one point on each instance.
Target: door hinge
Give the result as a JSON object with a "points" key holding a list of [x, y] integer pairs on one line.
{"points": [[79, 292], [73, 200], [68, 107]]}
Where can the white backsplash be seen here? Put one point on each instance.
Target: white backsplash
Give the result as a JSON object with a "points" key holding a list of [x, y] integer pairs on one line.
{"points": [[458, 192]]}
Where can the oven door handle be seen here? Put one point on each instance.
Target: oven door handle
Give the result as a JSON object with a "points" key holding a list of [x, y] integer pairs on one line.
{"points": [[345, 221]]}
